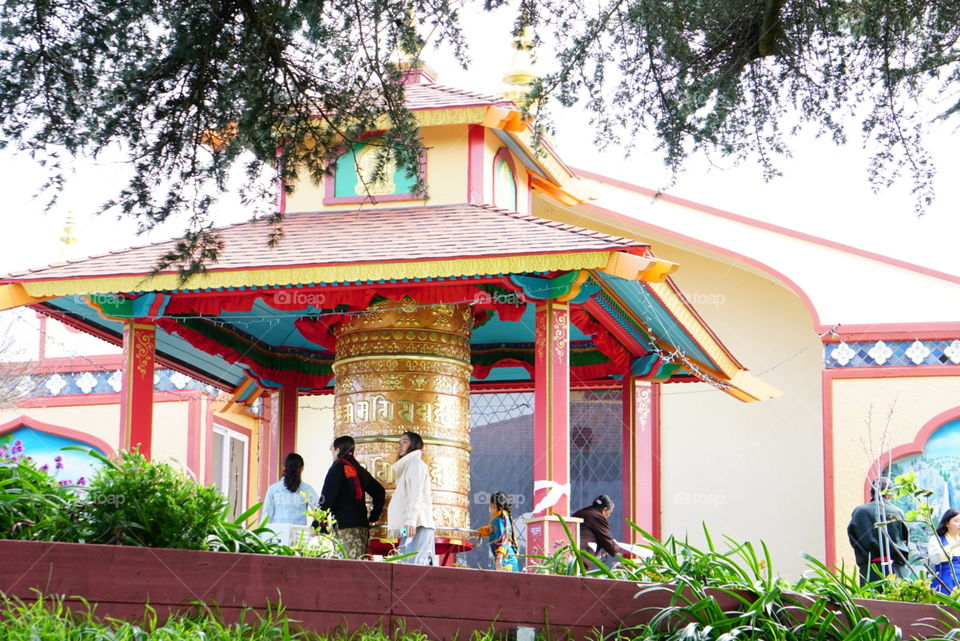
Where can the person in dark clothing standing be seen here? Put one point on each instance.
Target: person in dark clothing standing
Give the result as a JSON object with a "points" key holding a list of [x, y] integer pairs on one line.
{"points": [[595, 528], [343, 494], [880, 550]]}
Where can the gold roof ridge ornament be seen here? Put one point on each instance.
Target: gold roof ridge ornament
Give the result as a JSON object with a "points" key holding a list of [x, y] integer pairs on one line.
{"points": [[522, 73], [69, 238], [413, 69]]}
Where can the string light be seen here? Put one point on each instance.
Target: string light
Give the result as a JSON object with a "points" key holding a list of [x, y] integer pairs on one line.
{"points": [[274, 320]]}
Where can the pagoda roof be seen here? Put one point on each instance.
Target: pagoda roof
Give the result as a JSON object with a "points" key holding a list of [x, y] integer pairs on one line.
{"points": [[371, 237], [431, 95], [266, 313]]}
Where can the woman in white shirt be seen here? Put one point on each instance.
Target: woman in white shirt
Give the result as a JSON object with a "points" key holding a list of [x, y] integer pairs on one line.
{"points": [[285, 502], [410, 514], [943, 550]]}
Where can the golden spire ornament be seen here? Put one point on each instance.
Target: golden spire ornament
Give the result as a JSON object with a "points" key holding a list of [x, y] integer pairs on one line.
{"points": [[522, 74]]}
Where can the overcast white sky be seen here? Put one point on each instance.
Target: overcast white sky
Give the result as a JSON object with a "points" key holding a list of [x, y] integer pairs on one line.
{"points": [[824, 190]]}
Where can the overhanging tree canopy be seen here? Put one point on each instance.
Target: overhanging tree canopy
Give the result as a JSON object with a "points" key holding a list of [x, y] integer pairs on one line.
{"points": [[184, 87]]}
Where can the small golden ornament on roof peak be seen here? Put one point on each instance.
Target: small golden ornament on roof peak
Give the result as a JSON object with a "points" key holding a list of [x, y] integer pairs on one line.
{"points": [[522, 73]]}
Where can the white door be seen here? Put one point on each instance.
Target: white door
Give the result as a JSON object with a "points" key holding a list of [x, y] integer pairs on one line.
{"points": [[230, 450]]}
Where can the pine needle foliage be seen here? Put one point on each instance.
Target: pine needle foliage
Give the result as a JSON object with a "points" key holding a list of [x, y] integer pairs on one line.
{"points": [[188, 89]]}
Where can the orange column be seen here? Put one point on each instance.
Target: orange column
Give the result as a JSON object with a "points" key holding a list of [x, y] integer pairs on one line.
{"points": [[551, 430], [641, 457], [136, 402], [288, 406]]}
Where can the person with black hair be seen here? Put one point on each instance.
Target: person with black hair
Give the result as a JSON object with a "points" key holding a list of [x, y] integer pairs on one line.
{"points": [[410, 515], [287, 500], [595, 534], [943, 551], [344, 491], [501, 534], [878, 535]]}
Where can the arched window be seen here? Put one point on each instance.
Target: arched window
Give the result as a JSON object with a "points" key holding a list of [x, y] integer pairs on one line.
{"points": [[504, 181]]}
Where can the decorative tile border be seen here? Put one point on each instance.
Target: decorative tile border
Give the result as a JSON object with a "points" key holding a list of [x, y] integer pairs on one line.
{"points": [[891, 353], [110, 382]]}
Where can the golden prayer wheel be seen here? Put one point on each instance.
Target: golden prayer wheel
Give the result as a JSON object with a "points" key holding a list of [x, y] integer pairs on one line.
{"points": [[404, 367]]}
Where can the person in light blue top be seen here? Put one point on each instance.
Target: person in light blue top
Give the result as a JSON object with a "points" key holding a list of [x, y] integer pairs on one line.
{"points": [[285, 502], [943, 550]]}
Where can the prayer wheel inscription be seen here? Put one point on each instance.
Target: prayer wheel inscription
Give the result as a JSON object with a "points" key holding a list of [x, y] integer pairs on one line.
{"points": [[404, 367]]}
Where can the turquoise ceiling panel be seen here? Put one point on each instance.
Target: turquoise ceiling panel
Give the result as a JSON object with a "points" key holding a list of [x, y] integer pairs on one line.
{"points": [[271, 326], [663, 325], [497, 331]]}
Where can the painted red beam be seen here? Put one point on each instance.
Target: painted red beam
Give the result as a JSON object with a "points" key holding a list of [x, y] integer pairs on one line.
{"points": [[613, 326]]}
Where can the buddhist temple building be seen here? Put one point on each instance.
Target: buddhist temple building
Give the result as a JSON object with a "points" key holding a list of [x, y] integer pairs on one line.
{"points": [[549, 331]]}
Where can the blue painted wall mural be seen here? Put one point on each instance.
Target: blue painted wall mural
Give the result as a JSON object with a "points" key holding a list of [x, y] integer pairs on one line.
{"points": [[938, 470], [47, 450]]}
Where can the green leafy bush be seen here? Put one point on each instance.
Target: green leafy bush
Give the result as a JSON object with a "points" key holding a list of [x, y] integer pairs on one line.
{"points": [[133, 501], [33, 505]]}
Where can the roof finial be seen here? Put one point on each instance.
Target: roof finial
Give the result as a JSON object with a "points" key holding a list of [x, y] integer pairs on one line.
{"points": [[522, 74], [68, 238], [413, 70]]}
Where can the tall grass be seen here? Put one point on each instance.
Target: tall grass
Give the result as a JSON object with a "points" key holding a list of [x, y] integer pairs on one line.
{"points": [[51, 618], [730, 590]]}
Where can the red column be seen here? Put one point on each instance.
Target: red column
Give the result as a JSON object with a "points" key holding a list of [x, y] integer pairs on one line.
{"points": [[287, 409], [269, 442], [136, 401], [641, 457], [551, 430], [476, 167]]}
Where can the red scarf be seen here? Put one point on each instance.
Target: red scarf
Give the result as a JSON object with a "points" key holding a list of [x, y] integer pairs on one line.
{"points": [[350, 470]]}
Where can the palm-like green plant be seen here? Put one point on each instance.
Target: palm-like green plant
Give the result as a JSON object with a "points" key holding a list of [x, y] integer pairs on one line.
{"points": [[233, 535]]}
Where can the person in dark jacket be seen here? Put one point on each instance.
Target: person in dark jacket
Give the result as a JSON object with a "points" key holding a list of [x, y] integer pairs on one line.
{"points": [[343, 494], [595, 528], [880, 550]]}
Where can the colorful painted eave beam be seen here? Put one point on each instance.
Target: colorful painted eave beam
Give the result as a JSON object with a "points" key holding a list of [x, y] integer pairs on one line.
{"points": [[31, 288], [719, 367], [26, 291]]}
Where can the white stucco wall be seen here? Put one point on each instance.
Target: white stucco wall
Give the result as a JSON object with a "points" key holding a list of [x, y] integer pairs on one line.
{"points": [[314, 437], [844, 287], [752, 471]]}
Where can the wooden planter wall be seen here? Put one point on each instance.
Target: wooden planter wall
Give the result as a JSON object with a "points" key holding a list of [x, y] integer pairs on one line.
{"points": [[325, 594]]}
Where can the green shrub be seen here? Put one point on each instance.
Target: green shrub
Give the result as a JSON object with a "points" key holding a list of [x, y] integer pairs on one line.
{"points": [[33, 505], [133, 501]]}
